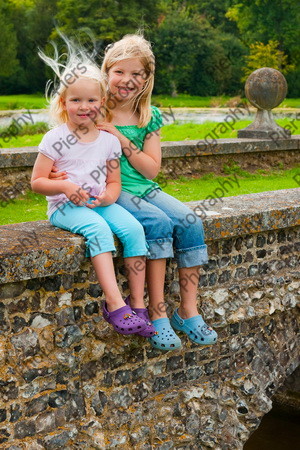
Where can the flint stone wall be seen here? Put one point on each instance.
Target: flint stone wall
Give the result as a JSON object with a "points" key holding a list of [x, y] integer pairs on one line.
{"points": [[179, 158], [67, 380]]}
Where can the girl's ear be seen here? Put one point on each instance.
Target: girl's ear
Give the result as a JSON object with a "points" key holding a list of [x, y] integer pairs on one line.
{"points": [[63, 103], [102, 101]]}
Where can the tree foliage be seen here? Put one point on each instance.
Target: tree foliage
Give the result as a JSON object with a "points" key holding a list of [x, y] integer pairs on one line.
{"points": [[202, 47], [32, 23], [194, 57], [265, 20], [108, 20], [8, 42], [267, 55]]}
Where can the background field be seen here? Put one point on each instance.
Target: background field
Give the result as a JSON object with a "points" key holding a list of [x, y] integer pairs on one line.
{"points": [[172, 132], [38, 101], [33, 206]]}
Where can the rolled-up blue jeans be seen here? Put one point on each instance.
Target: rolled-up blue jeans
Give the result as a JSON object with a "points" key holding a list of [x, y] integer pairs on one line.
{"points": [[168, 224], [97, 225]]}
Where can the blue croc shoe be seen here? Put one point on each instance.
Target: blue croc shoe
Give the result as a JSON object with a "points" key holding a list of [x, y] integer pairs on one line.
{"points": [[195, 328], [165, 337]]}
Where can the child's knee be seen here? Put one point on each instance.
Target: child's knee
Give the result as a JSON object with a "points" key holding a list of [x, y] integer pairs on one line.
{"points": [[189, 225], [133, 239], [136, 231], [97, 232], [163, 224]]}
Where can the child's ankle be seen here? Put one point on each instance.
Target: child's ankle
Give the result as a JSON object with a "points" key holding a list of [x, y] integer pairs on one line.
{"points": [[158, 311], [157, 315], [137, 302], [187, 312], [114, 303]]}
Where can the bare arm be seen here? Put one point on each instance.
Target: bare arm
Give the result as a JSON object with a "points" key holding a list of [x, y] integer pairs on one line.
{"points": [[56, 175], [40, 182], [148, 161]]}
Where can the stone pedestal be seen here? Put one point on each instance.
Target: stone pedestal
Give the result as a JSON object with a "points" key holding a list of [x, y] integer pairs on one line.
{"points": [[265, 89]]}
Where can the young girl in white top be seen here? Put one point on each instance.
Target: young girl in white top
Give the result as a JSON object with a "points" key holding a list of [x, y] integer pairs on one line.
{"points": [[84, 202]]}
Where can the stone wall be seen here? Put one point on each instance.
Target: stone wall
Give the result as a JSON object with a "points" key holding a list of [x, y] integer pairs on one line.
{"points": [[179, 158], [68, 381]]}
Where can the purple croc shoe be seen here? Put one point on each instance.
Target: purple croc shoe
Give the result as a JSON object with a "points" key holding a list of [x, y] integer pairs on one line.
{"points": [[124, 320], [149, 331]]}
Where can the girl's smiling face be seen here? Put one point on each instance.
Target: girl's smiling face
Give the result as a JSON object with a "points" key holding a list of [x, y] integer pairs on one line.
{"points": [[82, 102], [126, 78]]}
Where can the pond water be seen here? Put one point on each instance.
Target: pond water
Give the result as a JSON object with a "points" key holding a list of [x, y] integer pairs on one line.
{"points": [[23, 117], [169, 116], [201, 116]]}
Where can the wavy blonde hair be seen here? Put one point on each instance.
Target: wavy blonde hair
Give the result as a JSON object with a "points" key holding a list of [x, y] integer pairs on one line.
{"points": [[132, 46], [75, 63]]}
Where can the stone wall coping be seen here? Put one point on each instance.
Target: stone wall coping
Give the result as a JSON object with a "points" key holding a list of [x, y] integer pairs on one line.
{"points": [[25, 156], [36, 249]]}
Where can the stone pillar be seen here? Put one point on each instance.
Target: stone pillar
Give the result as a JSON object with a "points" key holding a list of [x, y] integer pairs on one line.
{"points": [[265, 89]]}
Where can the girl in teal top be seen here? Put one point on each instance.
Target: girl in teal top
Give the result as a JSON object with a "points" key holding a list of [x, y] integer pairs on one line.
{"points": [[132, 180], [171, 228]]}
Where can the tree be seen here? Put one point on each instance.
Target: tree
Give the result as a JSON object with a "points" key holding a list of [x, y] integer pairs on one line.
{"points": [[265, 20], [219, 66], [268, 55], [108, 20], [32, 22], [215, 12], [39, 26], [8, 43], [194, 57], [271, 20], [176, 45]]}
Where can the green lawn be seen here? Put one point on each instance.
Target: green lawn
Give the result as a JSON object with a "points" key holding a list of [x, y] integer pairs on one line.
{"points": [[36, 101], [173, 132], [190, 131], [32, 206], [25, 208], [22, 101], [21, 141], [189, 101], [188, 189]]}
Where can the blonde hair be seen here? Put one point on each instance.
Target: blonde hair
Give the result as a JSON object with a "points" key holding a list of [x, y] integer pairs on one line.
{"points": [[75, 63], [132, 46]]}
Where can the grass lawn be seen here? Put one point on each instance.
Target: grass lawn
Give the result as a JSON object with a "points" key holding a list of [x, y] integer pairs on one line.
{"points": [[188, 189], [25, 208], [36, 101], [194, 101], [33, 206], [21, 141], [189, 101], [173, 132], [190, 131], [22, 101]]}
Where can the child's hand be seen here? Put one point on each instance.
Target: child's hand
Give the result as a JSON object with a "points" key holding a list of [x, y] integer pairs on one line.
{"points": [[55, 175], [101, 200], [76, 194], [110, 128]]}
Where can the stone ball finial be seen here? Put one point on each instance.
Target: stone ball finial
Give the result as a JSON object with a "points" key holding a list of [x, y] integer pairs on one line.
{"points": [[266, 88]]}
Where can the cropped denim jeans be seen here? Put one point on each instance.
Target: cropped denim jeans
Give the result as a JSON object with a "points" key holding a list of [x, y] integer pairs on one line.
{"points": [[171, 228]]}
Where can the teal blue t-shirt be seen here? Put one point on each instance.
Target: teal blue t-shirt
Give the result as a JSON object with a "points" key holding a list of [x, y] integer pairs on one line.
{"points": [[133, 181]]}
